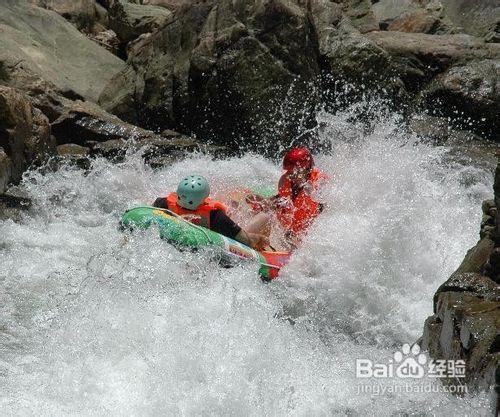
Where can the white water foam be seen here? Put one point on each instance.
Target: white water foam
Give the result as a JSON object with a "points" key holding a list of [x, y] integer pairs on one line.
{"points": [[92, 326]]}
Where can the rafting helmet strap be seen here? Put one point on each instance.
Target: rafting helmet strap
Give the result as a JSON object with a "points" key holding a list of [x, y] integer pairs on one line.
{"points": [[192, 191]]}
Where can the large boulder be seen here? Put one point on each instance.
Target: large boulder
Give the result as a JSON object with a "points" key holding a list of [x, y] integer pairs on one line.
{"points": [[82, 122], [413, 16], [466, 320], [129, 20], [475, 17], [471, 89], [42, 51], [93, 131], [224, 68], [5, 170], [24, 134], [417, 57]]}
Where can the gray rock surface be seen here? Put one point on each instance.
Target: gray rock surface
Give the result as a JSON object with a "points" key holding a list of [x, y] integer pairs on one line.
{"points": [[41, 49], [225, 69], [129, 20]]}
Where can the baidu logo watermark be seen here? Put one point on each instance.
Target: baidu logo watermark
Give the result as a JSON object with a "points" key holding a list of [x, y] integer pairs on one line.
{"points": [[410, 365]]}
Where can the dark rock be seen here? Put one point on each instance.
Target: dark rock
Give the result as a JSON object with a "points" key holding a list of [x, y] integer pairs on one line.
{"points": [[73, 154], [24, 132], [496, 185], [488, 206], [472, 89], [223, 69], [87, 126], [114, 149], [493, 35], [5, 170], [412, 16], [473, 283], [13, 204], [72, 149], [353, 57], [436, 128], [418, 57], [83, 122], [432, 333], [474, 325]]}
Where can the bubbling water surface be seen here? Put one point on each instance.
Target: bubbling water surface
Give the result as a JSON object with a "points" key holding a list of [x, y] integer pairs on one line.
{"points": [[91, 325]]}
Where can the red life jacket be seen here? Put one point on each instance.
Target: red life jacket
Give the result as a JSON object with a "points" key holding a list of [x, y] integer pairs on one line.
{"points": [[202, 212], [296, 214]]}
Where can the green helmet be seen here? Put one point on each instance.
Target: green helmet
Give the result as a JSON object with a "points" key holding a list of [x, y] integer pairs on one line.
{"points": [[191, 191]]}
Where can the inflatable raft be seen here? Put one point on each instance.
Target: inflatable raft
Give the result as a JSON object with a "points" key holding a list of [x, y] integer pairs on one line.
{"points": [[178, 231]]}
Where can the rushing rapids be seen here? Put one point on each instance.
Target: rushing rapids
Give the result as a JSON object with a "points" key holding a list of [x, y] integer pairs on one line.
{"points": [[92, 324]]}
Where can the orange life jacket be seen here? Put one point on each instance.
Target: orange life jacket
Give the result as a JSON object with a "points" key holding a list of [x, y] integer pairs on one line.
{"points": [[296, 214], [202, 213]]}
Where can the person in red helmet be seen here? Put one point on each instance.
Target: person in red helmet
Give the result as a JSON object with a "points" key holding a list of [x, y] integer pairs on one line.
{"points": [[296, 208], [294, 204]]}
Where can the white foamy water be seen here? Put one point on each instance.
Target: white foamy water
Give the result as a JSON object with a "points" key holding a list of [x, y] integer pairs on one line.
{"points": [[92, 326]]}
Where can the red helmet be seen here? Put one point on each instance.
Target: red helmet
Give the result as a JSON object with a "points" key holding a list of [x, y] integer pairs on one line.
{"points": [[298, 158]]}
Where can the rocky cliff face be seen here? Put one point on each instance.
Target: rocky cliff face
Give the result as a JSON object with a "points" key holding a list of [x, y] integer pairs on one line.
{"points": [[466, 320], [256, 69]]}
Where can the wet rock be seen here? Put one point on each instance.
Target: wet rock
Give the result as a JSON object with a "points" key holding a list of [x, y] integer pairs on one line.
{"points": [[25, 134], [222, 69], [473, 326], [5, 170], [13, 204], [471, 89], [114, 149], [466, 323], [354, 57], [129, 20], [71, 153], [471, 282], [85, 127], [436, 128], [72, 149], [83, 122], [418, 57], [489, 207], [38, 51]]}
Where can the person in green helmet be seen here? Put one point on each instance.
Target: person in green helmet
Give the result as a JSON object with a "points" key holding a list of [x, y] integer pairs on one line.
{"points": [[192, 202]]}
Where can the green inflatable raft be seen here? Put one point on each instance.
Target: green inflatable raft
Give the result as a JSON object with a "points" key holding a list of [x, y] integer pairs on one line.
{"points": [[177, 230]]}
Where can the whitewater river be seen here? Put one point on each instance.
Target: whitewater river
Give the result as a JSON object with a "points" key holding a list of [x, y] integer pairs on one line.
{"points": [[92, 326]]}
